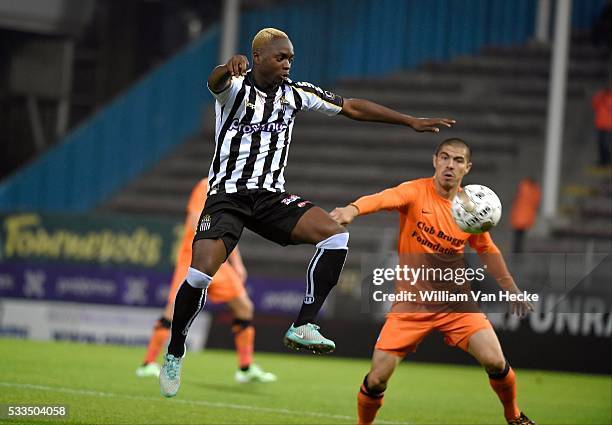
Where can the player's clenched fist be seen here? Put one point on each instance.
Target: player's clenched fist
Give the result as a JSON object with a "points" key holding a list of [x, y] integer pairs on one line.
{"points": [[344, 215], [237, 65]]}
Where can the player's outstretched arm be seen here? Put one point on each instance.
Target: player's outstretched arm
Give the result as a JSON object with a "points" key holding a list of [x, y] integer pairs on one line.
{"points": [[365, 110], [219, 78], [345, 215], [388, 199]]}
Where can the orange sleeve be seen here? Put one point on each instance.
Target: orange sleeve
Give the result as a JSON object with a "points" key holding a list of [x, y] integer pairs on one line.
{"points": [[197, 198], [389, 199], [483, 244]]}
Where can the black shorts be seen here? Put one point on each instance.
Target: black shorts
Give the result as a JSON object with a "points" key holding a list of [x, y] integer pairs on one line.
{"points": [[272, 215]]}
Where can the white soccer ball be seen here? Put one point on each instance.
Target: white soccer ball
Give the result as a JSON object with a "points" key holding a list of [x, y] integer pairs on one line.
{"points": [[476, 209]]}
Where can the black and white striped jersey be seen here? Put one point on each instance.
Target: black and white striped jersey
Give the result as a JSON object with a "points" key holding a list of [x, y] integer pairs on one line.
{"points": [[253, 132]]}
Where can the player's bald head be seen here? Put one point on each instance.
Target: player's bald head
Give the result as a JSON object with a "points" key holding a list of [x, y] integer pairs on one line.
{"points": [[455, 142], [265, 37]]}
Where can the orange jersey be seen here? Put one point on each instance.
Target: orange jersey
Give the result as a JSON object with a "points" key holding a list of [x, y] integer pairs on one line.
{"points": [[602, 105], [426, 221], [525, 206], [429, 238], [194, 207]]}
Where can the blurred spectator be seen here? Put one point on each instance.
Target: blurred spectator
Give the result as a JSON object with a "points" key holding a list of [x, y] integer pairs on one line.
{"points": [[524, 210], [602, 106]]}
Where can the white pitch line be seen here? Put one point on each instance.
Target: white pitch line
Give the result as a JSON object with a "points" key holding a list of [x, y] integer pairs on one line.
{"points": [[183, 401]]}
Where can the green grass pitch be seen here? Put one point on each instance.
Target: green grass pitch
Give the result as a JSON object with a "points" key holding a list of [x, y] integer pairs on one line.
{"points": [[99, 386]]}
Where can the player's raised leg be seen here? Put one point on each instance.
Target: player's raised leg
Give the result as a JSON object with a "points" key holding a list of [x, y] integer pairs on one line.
{"points": [[316, 227], [207, 257], [485, 348], [372, 390]]}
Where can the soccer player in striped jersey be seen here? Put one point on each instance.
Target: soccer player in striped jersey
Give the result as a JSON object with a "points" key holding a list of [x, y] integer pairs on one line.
{"points": [[255, 112], [427, 229], [228, 289]]}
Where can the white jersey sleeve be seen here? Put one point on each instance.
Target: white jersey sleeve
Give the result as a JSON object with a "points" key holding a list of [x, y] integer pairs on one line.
{"points": [[316, 99], [229, 92]]}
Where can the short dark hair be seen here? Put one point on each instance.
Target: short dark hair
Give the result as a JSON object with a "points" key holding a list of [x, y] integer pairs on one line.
{"points": [[455, 141]]}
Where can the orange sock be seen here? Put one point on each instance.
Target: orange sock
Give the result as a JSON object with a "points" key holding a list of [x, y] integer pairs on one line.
{"points": [[160, 334], [504, 384], [368, 404], [244, 339]]}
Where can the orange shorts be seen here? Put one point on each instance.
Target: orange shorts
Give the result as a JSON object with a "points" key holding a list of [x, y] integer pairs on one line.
{"points": [[402, 332], [225, 286]]}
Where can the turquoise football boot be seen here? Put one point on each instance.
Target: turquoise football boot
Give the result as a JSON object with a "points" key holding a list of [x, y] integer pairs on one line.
{"points": [[308, 337]]}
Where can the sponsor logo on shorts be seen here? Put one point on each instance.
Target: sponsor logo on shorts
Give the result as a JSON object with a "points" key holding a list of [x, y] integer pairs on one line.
{"points": [[303, 204], [308, 299], [205, 223], [289, 199]]}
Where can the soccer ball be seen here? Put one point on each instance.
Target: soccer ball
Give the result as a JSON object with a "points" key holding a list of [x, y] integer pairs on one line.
{"points": [[476, 209]]}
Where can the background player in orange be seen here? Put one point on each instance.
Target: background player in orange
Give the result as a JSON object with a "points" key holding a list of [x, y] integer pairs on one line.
{"points": [[228, 288], [602, 107], [524, 210], [425, 214]]}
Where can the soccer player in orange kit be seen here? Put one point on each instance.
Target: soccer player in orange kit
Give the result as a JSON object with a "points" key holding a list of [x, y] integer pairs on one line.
{"points": [[426, 204], [228, 288]]}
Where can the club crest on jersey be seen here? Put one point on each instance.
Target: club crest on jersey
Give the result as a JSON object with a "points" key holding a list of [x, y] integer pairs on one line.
{"points": [[284, 103], [205, 223], [250, 105]]}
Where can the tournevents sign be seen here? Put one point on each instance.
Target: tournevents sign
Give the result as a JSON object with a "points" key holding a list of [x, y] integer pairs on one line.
{"points": [[111, 260], [90, 239]]}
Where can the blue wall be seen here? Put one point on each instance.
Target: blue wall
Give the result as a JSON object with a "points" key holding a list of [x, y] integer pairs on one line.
{"points": [[121, 140], [332, 38], [584, 13], [350, 38]]}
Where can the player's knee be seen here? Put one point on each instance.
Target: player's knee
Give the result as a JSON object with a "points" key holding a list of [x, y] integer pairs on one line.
{"points": [[335, 241], [242, 307], [246, 308], [376, 381], [327, 229], [205, 264], [494, 363], [208, 255], [337, 229], [198, 279]]}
